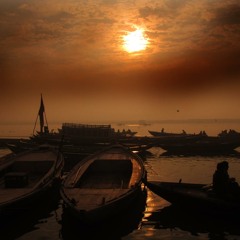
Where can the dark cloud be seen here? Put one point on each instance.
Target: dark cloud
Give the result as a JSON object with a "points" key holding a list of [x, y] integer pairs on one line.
{"points": [[228, 15], [151, 11], [163, 10], [59, 17]]}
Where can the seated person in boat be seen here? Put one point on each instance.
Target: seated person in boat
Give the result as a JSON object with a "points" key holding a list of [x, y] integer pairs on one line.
{"points": [[223, 185]]}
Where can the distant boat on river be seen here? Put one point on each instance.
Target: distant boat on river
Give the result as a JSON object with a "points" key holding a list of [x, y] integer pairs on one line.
{"points": [[210, 145], [183, 134], [199, 143]]}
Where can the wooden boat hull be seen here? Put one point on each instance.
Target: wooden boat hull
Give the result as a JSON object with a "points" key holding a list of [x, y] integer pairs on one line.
{"points": [[177, 135], [25, 194], [103, 212], [128, 219], [201, 147], [193, 197], [103, 186]]}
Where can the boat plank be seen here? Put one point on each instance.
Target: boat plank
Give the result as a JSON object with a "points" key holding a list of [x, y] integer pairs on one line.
{"points": [[88, 198], [7, 194]]}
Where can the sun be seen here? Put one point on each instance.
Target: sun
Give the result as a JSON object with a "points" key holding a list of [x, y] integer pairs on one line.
{"points": [[135, 41]]}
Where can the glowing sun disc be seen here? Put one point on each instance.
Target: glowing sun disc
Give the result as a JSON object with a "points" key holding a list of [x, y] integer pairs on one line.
{"points": [[135, 41]]}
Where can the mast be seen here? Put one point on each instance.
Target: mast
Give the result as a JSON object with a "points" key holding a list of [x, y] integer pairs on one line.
{"points": [[42, 116]]}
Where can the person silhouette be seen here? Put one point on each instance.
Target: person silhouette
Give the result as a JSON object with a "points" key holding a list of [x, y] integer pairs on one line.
{"points": [[223, 185]]}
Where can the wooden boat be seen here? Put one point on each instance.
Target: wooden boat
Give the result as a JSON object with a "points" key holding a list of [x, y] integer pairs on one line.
{"points": [[230, 133], [209, 145], [181, 154], [103, 184], [162, 133], [21, 146], [124, 133], [197, 197], [115, 227], [26, 178]]}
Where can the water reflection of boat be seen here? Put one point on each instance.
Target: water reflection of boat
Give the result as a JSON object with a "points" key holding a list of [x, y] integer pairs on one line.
{"points": [[195, 197], [103, 184], [114, 227]]}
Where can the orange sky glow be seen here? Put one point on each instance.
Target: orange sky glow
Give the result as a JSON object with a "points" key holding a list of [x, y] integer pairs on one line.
{"points": [[73, 53]]}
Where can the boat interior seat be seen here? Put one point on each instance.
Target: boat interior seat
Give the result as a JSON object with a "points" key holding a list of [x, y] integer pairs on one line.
{"points": [[107, 174], [31, 167]]}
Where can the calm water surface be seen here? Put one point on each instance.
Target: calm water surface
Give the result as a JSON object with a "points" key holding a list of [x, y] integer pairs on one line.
{"points": [[151, 217]]}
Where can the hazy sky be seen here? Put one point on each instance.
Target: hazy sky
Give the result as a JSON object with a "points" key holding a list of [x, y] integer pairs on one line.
{"points": [[72, 52]]}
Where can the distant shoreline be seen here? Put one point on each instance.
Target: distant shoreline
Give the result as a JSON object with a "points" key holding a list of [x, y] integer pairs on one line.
{"points": [[192, 120]]}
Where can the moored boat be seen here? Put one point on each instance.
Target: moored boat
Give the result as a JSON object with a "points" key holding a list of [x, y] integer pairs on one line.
{"points": [[21, 146], [103, 184], [162, 133], [210, 145], [27, 178], [196, 197]]}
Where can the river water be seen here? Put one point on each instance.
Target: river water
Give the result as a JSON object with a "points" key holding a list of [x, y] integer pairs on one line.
{"points": [[151, 217]]}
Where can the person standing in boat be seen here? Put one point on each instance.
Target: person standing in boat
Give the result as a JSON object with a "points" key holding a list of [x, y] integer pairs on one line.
{"points": [[223, 185]]}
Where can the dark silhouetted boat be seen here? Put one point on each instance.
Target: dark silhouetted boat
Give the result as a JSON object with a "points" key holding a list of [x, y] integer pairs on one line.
{"points": [[21, 146], [78, 133], [104, 184], [194, 197], [115, 227], [28, 177], [162, 133], [43, 135], [210, 145], [229, 135], [124, 133]]}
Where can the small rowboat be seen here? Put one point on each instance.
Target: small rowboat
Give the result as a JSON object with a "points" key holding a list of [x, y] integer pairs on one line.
{"points": [[196, 197], [103, 184], [27, 178]]}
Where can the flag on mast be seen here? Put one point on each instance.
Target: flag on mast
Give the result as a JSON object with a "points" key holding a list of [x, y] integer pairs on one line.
{"points": [[41, 115]]}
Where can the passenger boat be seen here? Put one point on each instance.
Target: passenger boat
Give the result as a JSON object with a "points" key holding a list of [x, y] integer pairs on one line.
{"points": [[27, 178], [124, 133], [213, 145], [103, 184], [230, 135], [162, 133], [78, 133], [196, 197]]}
